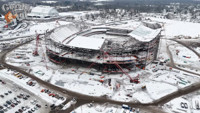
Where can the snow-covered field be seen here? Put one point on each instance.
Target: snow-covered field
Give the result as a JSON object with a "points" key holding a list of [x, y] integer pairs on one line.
{"points": [[176, 28], [185, 58]]}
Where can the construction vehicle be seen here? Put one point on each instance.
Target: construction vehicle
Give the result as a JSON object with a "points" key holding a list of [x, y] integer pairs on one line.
{"points": [[39, 72], [144, 87]]}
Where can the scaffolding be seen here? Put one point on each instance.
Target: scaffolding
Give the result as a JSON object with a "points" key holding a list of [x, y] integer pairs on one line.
{"points": [[109, 59]]}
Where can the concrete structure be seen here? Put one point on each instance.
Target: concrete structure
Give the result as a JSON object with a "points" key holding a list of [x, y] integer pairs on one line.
{"points": [[105, 48]]}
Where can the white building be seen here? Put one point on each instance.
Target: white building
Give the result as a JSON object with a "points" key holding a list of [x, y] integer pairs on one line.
{"points": [[2, 23], [42, 12]]}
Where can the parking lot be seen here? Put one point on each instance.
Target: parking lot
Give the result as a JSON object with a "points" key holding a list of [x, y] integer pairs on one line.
{"points": [[14, 99]]}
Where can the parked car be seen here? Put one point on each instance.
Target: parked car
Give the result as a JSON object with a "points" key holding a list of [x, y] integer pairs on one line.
{"points": [[39, 106], [20, 110], [1, 96]]}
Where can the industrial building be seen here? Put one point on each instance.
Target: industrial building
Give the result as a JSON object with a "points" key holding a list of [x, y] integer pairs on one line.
{"points": [[108, 49], [43, 12]]}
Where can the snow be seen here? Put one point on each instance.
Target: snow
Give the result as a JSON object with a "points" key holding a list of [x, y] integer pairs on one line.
{"points": [[123, 24], [32, 29], [105, 108], [87, 42], [43, 11], [158, 84], [49, 2], [143, 33], [142, 97], [158, 92], [82, 85], [60, 34], [176, 28], [98, 0], [177, 105], [167, 80], [195, 103], [162, 50], [185, 58], [77, 14]]}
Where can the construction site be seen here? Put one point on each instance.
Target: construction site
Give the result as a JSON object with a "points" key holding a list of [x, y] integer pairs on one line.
{"points": [[99, 65], [107, 49]]}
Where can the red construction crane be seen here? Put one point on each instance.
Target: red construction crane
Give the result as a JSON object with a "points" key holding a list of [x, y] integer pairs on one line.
{"points": [[90, 66], [132, 80], [35, 53], [135, 80]]}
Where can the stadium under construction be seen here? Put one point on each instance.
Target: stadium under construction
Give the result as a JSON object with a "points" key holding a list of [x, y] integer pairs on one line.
{"points": [[108, 49]]}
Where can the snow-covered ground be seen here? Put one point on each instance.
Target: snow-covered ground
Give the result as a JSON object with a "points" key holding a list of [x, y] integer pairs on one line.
{"points": [[185, 104], [105, 108], [121, 89], [197, 49], [176, 28], [162, 50], [159, 80], [32, 29], [185, 58]]}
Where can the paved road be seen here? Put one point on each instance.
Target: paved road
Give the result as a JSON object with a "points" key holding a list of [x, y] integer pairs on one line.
{"points": [[83, 99]]}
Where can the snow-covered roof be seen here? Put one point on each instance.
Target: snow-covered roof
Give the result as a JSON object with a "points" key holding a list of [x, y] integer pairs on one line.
{"points": [[62, 33], [143, 33], [42, 9], [86, 42], [49, 2]]}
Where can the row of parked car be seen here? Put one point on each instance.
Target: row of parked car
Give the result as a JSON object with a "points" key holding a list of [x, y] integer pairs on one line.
{"points": [[28, 109], [9, 104], [52, 94], [20, 76], [5, 94]]}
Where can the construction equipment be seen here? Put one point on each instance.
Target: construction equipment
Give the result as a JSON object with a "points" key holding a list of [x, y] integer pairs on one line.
{"points": [[35, 53], [106, 55], [144, 87], [132, 80], [89, 67]]}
